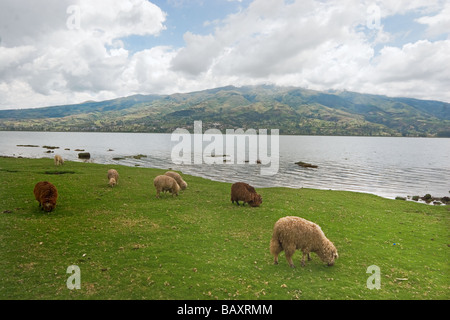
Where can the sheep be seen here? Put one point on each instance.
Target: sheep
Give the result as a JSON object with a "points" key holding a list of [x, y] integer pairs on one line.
{"points": [[58, 160], [113, 177], [291, 233], [241, 191], [165, 183], [178, 179], [46, 194]]}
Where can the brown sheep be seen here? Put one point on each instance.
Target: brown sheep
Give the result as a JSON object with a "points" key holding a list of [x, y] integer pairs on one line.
{"points": [[165, 183], [113, 177], [291, 233], [58, 160], [46, 194], [241, 191], [178, 179]]}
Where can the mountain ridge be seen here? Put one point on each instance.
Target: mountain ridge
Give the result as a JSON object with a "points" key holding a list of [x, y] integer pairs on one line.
{"points": [[293, 110]]}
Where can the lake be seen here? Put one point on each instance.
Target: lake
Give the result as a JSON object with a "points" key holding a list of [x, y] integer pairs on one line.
{"points": [[385, 166]]}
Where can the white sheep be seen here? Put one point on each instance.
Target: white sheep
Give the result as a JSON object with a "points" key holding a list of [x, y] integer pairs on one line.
{"points": [[178, 179], [292, 233], [113, 177], [58, 160], [165, 183]]}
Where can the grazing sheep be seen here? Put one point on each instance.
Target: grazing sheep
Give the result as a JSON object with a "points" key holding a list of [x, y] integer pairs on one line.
{"points": [[178, 179], [165, 183], [291, 233], [58, 160], [113, 177], [46, 194], [241, 191]]}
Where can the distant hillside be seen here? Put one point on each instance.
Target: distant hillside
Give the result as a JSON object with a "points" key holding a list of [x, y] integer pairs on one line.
{"points": [[292, 110]]}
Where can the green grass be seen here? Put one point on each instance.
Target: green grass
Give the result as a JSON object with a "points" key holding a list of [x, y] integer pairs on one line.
{"points": [[131, 245]]}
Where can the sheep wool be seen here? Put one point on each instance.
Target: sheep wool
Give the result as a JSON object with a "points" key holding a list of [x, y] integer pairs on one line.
{"points": [[178, 179], [292, 233], [241, 191], [46, 194], [113, 177], [58, 160], [164, 183]]}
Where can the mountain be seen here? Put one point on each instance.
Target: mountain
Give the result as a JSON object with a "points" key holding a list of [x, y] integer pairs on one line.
{"points": [[293, 110]]}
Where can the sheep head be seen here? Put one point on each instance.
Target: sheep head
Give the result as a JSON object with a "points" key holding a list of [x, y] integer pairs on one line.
{"points": [[48, 206], [330, 254], [256, 200], [112, 182]]}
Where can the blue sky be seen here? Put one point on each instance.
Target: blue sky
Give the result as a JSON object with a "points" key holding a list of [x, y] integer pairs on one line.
{"points": [[194, 16], [185, 16], [69, 51]]}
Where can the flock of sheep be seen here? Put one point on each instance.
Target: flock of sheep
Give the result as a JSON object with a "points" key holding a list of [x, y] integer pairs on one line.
{"points": [[289, 233]]}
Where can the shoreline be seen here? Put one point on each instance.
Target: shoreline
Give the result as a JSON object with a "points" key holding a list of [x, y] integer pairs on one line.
{"points": [[427, 199]]}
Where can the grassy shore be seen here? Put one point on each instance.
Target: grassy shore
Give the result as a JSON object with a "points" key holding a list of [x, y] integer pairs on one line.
{"points": [[130, 245]]}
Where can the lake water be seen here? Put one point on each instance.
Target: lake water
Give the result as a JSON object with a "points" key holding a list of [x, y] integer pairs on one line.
{"points": [[384, 166]]}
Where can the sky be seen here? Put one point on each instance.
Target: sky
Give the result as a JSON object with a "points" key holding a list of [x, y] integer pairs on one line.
{"points": [[57, 52]]}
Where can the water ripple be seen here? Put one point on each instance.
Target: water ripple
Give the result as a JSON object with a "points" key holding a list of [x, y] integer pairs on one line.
{"points": [[388, 167]]}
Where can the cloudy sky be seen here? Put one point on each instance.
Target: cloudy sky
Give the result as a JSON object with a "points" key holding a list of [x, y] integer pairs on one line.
{"points": [[55, 52]]}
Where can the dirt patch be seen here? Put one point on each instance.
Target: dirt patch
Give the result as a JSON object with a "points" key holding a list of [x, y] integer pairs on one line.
{"points": [[8, 170], [59, 172]]}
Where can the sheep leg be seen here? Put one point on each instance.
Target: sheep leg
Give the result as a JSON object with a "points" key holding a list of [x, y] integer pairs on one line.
{"points": [[289, 260], [275, 249], [275, 257], [289, 252], [303, 258]]}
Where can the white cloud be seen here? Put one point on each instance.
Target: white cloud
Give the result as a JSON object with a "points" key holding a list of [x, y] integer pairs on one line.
{"points": [[198, 54], [315, 44], [115, 19], [50, 52], [12, 58], [439, 23], [417, 69], [149, 71]]}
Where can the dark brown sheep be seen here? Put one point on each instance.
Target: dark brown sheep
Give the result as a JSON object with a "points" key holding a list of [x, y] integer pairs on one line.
{"points": [[241, 191], [46, 194]]}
